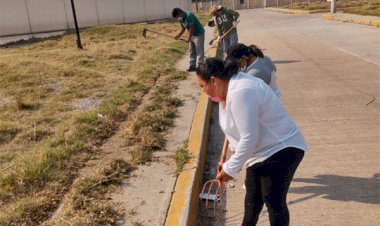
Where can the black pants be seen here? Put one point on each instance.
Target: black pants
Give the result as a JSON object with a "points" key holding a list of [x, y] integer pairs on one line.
{"points": [[268, 182]]}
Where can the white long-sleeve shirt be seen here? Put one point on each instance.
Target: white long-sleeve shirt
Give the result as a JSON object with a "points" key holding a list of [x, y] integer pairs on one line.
{"points": [[255, 123]]}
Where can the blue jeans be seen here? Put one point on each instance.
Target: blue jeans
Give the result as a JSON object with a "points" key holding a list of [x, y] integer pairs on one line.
{"points": [[228, 41], [197, 48]]}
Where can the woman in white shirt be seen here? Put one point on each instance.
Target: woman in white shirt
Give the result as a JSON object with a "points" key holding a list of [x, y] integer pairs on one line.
{"points": [[254, 62], [261, 133]]}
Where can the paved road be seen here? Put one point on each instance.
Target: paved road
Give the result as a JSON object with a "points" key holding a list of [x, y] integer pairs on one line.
{"points": [[329, 75]]}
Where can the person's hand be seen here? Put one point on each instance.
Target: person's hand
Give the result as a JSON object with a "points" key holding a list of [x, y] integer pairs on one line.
{"points": [[176, 37], [219, 39], [211, 22], [222, 176], [234, 23], [219, 167]]}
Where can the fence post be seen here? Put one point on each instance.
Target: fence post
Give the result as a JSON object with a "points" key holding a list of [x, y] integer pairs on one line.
{"points": [[122, 8], [64, 9], [27, 13]]}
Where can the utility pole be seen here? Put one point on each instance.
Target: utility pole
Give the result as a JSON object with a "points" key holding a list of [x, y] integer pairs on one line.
{"points": [[333, 6], [79, 44]]}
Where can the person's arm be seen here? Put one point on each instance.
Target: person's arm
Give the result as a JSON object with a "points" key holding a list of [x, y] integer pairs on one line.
{"points": [[245, 112], [219, 26], [235, 15], [191, 32], [191, 28], [180, 32]]}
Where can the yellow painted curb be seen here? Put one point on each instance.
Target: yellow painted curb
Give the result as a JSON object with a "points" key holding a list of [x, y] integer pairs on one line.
{"points": [[374, 23], [183, 206]]}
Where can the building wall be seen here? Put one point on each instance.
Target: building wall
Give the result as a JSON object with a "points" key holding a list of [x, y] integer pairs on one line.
{"points": [[19, 17], [204, 5]]}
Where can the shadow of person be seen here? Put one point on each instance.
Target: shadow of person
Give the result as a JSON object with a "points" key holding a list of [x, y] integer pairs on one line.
{"points": [[285, 61], [341, 188]]}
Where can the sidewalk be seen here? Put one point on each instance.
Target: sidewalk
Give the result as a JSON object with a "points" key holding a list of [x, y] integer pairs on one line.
{"points": [[354, 18]]}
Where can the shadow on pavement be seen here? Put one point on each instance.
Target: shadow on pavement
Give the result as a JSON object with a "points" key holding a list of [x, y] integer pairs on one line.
{"points": [[340, 188], [285, 61]]}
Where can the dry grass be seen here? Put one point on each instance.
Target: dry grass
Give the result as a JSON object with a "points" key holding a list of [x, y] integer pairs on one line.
{"points": [[361, 7], [89, 199], [46, 133]]}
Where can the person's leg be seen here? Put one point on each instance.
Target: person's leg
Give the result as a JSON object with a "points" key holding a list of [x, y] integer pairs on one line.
{"points": [[233, 38], [193, 54], [200, 48], [278, 172], [226, 45], [253, 203]]}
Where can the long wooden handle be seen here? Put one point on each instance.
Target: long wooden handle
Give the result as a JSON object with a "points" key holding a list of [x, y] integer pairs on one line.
{"points": [[224, 153], [224, 35], [225, 147], [165, 34]]}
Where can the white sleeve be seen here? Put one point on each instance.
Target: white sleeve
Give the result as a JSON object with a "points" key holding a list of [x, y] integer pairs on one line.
{"points": [[245, 114]]}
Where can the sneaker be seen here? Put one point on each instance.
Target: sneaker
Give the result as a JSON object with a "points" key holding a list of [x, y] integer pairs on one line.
{"points": [[191, 68]]}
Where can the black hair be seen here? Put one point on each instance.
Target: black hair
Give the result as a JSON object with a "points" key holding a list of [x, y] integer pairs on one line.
{"points": [[176, 12], [216, 67], [236, 51], [257, 50]]}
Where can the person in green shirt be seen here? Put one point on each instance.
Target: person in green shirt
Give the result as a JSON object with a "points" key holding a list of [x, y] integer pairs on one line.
{"points": [[196, 35], [225, 19]]}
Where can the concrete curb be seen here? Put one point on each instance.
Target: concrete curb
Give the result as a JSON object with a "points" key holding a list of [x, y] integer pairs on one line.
{"points": [[183, 206], [297, 11], [364, 21], [370, 22]]}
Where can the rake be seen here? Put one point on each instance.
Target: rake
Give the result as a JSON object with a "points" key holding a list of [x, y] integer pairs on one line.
{"points": [[214, 190], [146, 29]]}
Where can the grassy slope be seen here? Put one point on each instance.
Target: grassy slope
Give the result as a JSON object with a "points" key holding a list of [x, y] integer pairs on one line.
{"points": [[361, 7], [58, 103]]}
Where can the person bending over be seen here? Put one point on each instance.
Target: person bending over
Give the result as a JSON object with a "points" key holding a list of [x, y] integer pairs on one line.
{"points": [[262, 135]]}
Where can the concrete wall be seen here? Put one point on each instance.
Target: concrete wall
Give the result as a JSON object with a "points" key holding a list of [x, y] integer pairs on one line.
{"points": [[34, 16], [204, 5]]}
